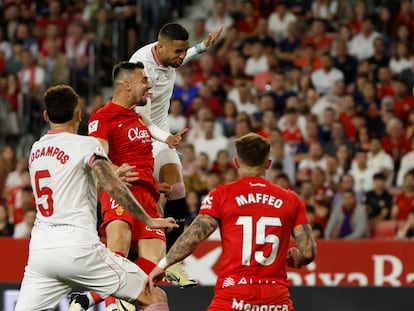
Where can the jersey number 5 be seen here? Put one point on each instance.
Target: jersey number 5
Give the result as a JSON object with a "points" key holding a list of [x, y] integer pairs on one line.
{"points": [[261, 239], [44, 191]]}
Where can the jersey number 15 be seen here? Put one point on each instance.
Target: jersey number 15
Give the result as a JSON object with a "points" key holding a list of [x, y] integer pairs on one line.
{"points": [[261, 239]]}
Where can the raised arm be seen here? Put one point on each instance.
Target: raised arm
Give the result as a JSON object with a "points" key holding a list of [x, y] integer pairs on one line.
{"points": [[305, 251], [120, 193], [210, 41], [161, 135]]}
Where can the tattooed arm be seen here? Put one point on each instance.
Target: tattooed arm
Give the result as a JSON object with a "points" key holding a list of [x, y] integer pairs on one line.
{"points": [[198, 231], [120, 193], [305, 251]]}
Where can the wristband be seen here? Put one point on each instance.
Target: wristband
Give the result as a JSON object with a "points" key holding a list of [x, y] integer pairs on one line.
{"points": [[200, 48], [163, 264]]}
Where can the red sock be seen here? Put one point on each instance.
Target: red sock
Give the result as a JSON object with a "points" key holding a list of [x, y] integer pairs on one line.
{"points": [[94, 298], [110, 301], [145, 264]]}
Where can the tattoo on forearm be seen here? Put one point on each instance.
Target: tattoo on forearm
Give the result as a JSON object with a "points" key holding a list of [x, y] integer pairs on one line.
{"points": [[305, 243], [117, 189], [199, 230]]}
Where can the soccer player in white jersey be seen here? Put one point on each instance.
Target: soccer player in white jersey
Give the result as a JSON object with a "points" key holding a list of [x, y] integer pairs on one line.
{"points": [[65, 250], [160, 60]]}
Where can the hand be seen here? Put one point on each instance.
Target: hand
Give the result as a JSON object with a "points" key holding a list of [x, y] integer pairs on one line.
{"points": [[165, 188], [127, 174], [159, 223], [153, 278], [174, 140], [212, 38], [292, 258]]}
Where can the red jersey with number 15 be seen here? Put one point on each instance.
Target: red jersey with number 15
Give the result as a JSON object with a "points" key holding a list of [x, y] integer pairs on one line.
{"points": [[256, 221], [129, 140]]}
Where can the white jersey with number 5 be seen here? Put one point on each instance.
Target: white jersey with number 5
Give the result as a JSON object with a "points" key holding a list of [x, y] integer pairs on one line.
{"points": [[65, 189]]}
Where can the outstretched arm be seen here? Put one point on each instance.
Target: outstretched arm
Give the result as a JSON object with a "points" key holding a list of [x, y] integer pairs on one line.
{"points": [[305, 251], [163, 136], [120, 193], [210, 41], [198, 231]]}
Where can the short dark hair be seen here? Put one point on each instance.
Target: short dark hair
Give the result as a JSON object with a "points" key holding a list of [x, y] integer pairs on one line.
{"points": [[252, 149], [60, 102], [125, 66], [174, 31], [379, 176]]}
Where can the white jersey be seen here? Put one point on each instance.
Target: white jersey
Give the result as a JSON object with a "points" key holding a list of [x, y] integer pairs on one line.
{"points": [[162, 79], [65, 189]]}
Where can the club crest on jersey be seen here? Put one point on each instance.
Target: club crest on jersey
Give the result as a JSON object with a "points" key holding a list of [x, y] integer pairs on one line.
{"points": [[135, 133], [93, 126], [119, 210]]}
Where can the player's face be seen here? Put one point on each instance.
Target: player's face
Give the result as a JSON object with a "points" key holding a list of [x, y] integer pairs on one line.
{"points": [[141, 88], [174, 52]]}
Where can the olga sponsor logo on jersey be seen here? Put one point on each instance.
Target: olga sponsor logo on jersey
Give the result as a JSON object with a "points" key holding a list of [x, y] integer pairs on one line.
{"points": [[241, 305], [135, 133]]}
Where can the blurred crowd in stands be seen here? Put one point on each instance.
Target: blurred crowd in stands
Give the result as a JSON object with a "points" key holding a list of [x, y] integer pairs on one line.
{"points": [[328, 82]]}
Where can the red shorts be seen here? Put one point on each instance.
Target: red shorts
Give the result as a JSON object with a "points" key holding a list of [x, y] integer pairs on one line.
{"points": [[252, 297], [111, 210]]}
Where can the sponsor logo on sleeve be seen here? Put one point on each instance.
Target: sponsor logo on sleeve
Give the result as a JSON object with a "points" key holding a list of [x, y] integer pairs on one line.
{"points": [[207, 202]]}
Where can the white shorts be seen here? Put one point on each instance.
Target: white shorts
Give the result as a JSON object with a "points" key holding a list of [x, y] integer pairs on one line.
{"points": [[163, 155], [51, 274]]}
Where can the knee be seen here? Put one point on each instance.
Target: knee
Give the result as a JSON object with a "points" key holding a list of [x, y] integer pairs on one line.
{"points": [[177, 191]]}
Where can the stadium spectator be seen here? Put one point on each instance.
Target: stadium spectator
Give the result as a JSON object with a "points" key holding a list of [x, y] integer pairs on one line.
{"points": [[197, 180], [258, 61], [316, 159], [378, 201], [228, 120], [363, 175], [247, 23], [404, 202], [337, 138], [241, 95], [23, 229], [6, 226], [324, 78], [278, 155], [362, 44], [177, 122], [380, 57], [55, 65], [348, 220], [380, 161], [279, 21], [406, 164], [222, 163], [210, 143], [219, 17], [407, 229]]}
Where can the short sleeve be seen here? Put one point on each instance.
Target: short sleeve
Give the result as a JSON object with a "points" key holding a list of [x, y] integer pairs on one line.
{"points": [[211, 204], [93, 150]]}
